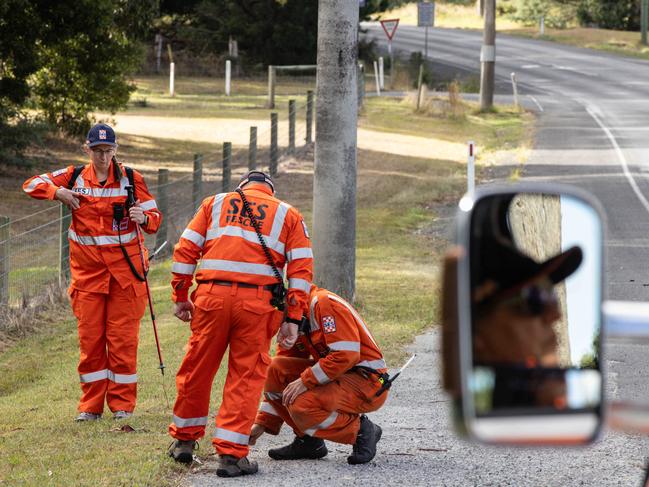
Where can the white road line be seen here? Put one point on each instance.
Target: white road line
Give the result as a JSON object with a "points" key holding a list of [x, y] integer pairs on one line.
{"points": [[537, 102], [592, 111]]}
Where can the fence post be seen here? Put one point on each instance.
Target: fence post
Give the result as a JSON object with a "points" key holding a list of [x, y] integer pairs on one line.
{"points": [[227, 170], [273, 144], [252, 150], [4, 255], [272, 72], [309, 116], [291, 126], [172, 75], [197, 181], [163, 205], [361, 84], [64, 246]]}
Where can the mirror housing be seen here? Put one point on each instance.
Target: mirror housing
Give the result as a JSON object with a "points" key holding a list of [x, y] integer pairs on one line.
{"points": [[506, 387]]}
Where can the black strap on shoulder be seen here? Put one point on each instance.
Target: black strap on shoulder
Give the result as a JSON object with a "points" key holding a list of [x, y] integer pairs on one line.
{"points": [[279, 291], [131, 181], [75, 175]]}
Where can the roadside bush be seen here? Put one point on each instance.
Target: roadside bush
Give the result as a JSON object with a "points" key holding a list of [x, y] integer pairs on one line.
{"points": [[18, 133], [610, 14], [417, 59], [557, 14]]}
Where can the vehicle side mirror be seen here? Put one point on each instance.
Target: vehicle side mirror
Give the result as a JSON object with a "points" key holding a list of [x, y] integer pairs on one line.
{"points": [[522, 310]]}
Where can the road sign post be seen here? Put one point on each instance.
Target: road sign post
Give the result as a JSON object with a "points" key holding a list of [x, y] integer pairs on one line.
{"points": [[390, 27], [426, 18]]}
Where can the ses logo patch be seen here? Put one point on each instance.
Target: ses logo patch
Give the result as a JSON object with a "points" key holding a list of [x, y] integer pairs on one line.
{"points": [[328, 324]]}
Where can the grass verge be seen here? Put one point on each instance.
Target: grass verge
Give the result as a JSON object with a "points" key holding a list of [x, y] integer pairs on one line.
{"points": [[397, 279]]}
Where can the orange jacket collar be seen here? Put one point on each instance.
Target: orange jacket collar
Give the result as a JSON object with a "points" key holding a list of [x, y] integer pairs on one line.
{"points": [[262, 187]]}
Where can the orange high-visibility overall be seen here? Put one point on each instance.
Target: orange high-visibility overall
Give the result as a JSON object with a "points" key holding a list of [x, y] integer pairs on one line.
{"points": [[107, 299], [338, 340], [232, 308]]}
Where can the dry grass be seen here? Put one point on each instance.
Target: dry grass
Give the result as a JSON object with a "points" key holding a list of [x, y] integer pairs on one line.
{"points": [[620, 42], [32, 315], [448, 15]]}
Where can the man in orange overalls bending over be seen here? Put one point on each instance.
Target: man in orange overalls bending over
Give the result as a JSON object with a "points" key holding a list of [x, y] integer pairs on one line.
{"points": [[324, 397], [235, 304], [107, 298]]}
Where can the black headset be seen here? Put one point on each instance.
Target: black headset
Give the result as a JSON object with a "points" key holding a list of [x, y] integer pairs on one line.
{"points": [[256, 177]]}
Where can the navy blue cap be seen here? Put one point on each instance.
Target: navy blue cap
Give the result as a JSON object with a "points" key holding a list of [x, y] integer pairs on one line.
{"points": [[256, 177], [101, 134]]}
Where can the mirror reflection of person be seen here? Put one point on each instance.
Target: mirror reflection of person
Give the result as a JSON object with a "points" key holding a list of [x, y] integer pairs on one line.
{"points": [[514, 304], [513, 320], [513, 332], [514, 310]]}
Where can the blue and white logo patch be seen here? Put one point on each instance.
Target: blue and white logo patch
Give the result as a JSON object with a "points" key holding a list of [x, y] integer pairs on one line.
{"points": [[102, 134], [328, 324]]}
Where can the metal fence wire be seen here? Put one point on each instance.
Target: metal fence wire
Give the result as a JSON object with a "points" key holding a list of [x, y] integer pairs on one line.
{"points": [[34, 249]]}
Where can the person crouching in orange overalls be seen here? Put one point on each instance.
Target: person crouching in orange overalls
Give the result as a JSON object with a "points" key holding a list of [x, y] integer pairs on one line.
{"points": [[107, 298], [243, 240], [323, 384]]}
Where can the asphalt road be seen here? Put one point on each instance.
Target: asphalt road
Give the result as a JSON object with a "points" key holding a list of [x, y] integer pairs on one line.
{"points": [[593, 132]]}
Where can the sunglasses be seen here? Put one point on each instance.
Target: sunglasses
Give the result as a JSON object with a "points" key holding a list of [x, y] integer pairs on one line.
{"points": [[534, 299]]}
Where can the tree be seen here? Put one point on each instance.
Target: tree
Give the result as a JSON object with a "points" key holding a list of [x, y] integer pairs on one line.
{"points": [[68, 58], [268, 31], [610, 14]]}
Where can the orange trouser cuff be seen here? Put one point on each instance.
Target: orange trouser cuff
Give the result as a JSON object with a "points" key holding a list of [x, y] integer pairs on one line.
{"points": [[330, 411]]}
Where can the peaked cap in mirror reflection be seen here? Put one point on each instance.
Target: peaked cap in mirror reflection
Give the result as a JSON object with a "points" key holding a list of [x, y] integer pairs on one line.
{"points": [[495, 257]]}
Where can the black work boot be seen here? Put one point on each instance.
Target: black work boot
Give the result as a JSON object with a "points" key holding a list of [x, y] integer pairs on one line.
{"points": [[183, 450], [368, 436], [230, 466], [305, 447]]}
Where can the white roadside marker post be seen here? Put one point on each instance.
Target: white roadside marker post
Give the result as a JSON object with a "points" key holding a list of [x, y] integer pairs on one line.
{"points": [[172, 67], [381, 74], [470, 170], [376, 78], [515, 88], [228, 74]]}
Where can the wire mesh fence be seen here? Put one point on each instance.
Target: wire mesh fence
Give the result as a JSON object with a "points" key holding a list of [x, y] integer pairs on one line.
{"points": [[34, 249]]}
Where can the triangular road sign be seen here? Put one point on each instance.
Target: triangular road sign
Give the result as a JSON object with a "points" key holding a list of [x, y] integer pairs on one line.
{"points": [[390, 27]]}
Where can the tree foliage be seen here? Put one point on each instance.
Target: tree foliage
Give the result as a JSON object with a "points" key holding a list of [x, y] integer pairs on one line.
{"points": [[267, 31], [610, 14], [67, 58]]}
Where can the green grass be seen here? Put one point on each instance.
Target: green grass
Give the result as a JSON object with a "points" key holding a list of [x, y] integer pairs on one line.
{"points": [[396, 288]]}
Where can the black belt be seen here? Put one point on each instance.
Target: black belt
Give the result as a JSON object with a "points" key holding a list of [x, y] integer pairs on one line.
{"points": [[382, 377], [268, 287]]}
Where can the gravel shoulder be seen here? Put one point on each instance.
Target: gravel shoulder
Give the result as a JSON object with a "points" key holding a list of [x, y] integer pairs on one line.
{"points": [[419, 448]]}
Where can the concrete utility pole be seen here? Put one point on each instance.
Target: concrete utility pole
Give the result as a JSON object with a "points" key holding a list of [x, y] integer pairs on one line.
{"points": [[334, 185], [488, 56]]}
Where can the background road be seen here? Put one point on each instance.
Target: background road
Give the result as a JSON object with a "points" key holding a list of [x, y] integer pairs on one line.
{"points": [[593, 132]]}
